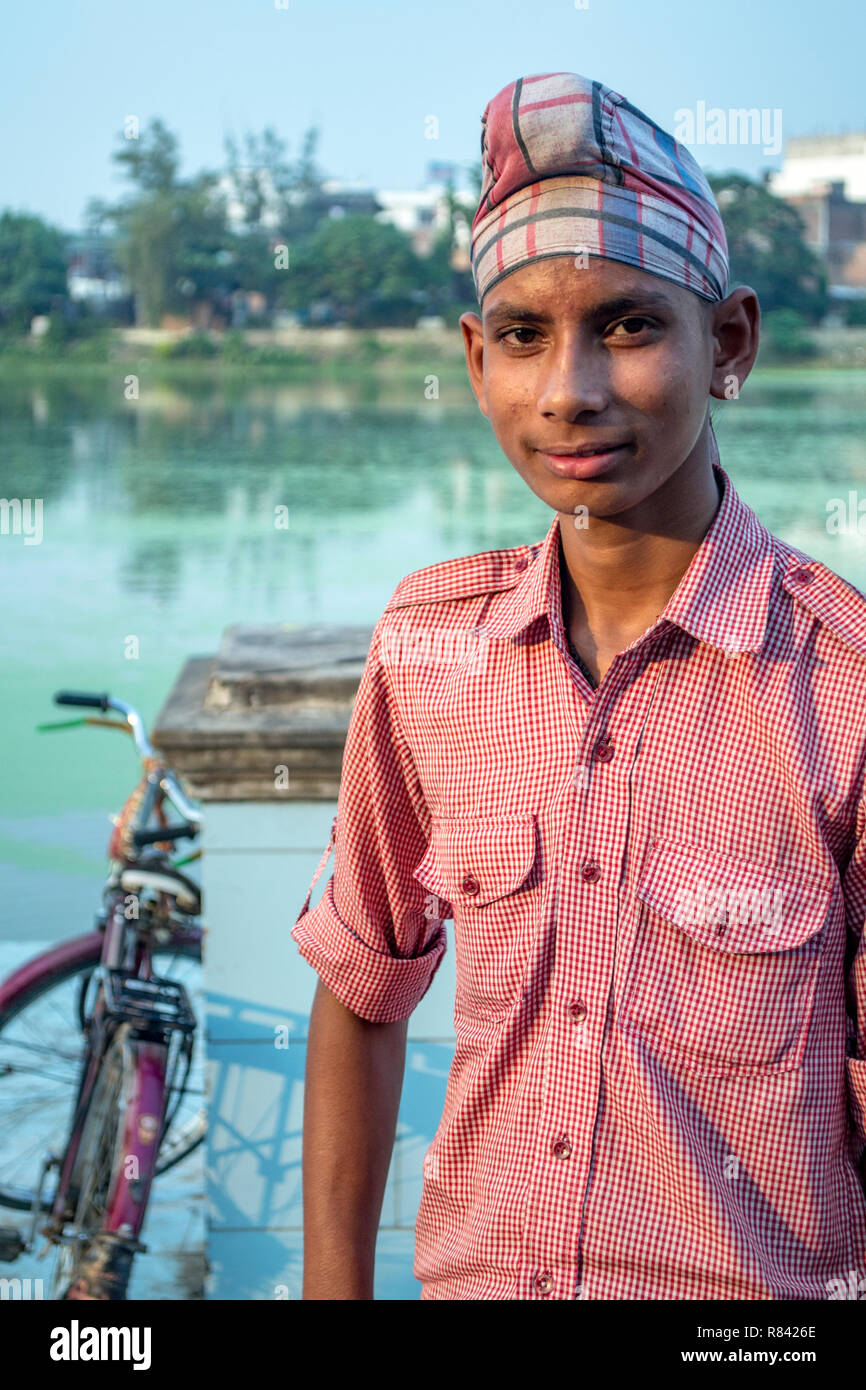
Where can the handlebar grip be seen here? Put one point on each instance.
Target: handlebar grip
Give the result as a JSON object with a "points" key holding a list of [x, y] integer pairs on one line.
{"points": [[76, 697], [184, 831]]}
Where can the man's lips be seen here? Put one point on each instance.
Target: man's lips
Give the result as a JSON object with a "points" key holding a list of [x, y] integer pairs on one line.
{"points": [[590, 462]]}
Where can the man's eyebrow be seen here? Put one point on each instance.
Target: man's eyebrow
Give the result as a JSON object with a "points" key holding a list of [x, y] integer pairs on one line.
{"points": [[608, 308]]}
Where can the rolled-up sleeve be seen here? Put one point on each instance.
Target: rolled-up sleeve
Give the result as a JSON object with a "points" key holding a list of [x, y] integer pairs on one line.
{"points": [[854, 886], [375, 937]]}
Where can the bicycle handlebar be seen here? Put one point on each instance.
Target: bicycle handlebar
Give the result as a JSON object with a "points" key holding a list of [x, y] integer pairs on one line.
{"points": [[166, 832], [75, 697], [175, 794], [107, 702], [167, 779]]}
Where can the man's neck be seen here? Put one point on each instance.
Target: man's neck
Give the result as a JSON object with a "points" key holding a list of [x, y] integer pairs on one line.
{"points": [[616, 578]]}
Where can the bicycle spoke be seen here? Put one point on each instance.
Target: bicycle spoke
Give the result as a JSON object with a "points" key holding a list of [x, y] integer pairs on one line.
{"points": [[41, 1052]]}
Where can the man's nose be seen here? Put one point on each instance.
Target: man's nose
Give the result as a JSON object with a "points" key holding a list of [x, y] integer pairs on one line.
{"points": [[572, 380]]}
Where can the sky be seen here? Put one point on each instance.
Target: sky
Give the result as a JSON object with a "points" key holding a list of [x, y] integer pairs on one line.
{"points": [[370, 75]]}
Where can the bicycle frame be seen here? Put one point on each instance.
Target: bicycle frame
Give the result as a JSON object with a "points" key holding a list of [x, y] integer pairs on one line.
{"points": [[154, 1009], [68, 957], [149, 1017]]}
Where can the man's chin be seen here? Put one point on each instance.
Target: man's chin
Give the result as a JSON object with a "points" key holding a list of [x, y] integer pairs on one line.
{"points": [[583, 497]]}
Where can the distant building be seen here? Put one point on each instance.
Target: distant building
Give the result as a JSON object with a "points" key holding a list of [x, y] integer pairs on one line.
{"points": [[820, 159], [424, 214], [421, 213], [92, 277], [824, 178], [337, 198], [334, 199]]}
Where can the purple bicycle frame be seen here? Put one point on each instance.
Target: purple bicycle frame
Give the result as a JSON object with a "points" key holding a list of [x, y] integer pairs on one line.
{"points": [[145, 1102]]}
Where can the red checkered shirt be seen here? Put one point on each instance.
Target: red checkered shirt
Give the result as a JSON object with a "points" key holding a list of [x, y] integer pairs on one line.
{"points": [[658, 889]]}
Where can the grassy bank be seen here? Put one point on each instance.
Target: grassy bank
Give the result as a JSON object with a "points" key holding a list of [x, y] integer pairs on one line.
{"points": [[329, 354]]}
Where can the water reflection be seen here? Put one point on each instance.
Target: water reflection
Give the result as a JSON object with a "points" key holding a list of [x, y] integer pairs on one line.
{"points": [[188, 473], [159, 521]]}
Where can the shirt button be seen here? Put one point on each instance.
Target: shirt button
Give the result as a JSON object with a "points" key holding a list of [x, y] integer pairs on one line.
{"points": [[801, 575], [590, 872], [562, 1148], [543, 1282], [521, 562], [577, 1010], [604, 751], [470, 884]]}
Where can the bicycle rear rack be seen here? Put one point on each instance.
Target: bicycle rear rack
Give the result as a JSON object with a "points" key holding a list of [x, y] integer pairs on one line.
{"points": [[155, 1004]]}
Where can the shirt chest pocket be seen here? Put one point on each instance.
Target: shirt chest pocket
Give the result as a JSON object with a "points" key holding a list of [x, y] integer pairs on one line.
{"points": [[488, 871], [724, 970]]}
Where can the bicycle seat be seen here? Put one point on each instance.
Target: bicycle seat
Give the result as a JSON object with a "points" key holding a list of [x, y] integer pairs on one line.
{"points": [[186, 894]]}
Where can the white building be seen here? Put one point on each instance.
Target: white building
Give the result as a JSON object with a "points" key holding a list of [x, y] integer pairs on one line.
{"points": [[92, 277], [422, 214], [813, 162]]}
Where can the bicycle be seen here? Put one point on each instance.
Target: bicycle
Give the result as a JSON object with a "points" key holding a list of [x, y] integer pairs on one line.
{"points": [[96, 1044]]}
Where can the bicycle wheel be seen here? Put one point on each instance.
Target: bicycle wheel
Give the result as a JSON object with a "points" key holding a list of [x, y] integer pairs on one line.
{"points": [[82, 1261], [41, 1050]]}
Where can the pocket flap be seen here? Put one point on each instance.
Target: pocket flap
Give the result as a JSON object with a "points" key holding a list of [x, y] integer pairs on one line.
{"points": [[473, 860], [731, 904]]}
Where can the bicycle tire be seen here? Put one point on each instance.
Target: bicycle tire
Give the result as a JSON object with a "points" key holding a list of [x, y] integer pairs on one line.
{"points": [[172, 1153], [98, 1263]]}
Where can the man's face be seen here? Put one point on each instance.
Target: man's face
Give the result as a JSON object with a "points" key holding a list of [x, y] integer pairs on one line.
{"points": [[604, 357]]}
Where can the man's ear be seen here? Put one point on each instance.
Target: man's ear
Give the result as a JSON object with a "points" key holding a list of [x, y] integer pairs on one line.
{"points": [[473, 345], [735, 326]]}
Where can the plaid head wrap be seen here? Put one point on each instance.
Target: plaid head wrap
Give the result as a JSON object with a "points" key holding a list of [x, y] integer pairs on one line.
{"points": [[570, 166]]}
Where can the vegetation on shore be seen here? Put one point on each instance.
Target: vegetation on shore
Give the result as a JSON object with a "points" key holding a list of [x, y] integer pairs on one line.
{"points": [[267, 241], [787, 340]]}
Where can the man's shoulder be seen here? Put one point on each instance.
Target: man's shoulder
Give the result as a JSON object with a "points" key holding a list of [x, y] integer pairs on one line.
{"points": [[465, 577], [833, 601]]}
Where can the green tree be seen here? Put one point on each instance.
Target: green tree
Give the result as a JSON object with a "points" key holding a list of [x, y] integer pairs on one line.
{"points": [[366, 270], [266, 181], [171, 233], [767, 249], [259, 178], [151, 162], [302, 193], [280, 204], [451, 288], [32, 268], [448, 286], [787, 334]]}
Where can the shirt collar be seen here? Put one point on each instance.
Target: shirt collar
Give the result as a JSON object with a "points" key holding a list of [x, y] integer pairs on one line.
{"points": [[722, 598]]}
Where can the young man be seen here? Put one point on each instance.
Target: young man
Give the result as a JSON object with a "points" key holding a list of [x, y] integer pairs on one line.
{"points": [[629, 761]]}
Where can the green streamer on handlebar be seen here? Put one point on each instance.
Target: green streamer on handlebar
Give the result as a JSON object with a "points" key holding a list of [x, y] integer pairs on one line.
{"points": [[187, 858], [85, 719], [59, 724]]}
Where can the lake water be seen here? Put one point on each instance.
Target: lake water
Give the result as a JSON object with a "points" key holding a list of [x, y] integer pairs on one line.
{"points": [[158, 525]]}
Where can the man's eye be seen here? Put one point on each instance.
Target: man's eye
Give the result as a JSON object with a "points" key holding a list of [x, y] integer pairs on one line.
{"points": [[633, 326], [522, 329]]}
